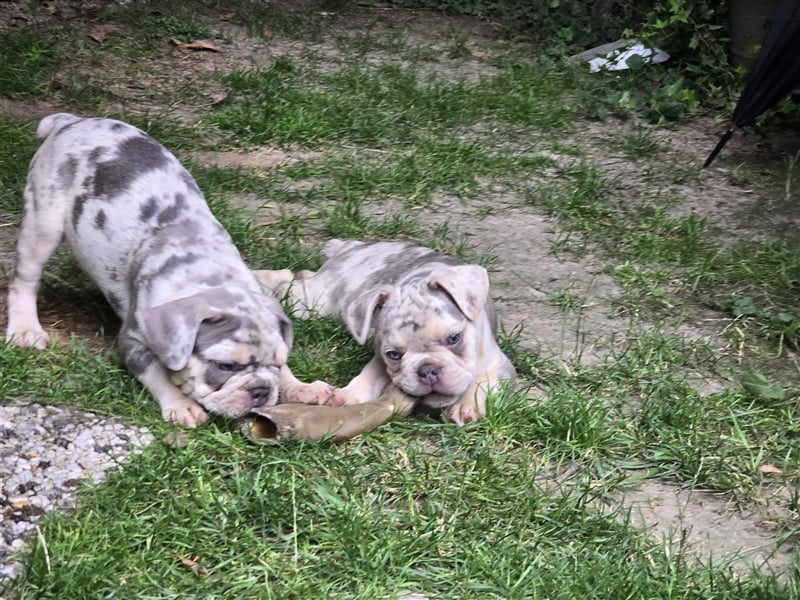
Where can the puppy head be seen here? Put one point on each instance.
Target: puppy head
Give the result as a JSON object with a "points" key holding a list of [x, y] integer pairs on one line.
{"points": [[223, 348], [426, 331]]}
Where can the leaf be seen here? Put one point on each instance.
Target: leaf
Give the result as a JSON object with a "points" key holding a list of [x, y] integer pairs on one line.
{"points": [[181, 45], [475, 52], [757, 385], [769, 468], [193, 565], [202, 45], [99, 33], [195, 45], [743, 307]]}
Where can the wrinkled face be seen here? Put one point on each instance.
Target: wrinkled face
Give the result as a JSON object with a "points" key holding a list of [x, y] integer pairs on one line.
{"points": [[234, 365], [428, 347]]}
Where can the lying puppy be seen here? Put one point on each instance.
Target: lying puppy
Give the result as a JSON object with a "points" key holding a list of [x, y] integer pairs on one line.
{"points": [[197, 329], [433, 321]]}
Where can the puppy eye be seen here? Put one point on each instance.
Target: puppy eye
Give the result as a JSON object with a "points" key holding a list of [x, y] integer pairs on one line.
{"points": [[453, 339], [228, 367], [393, 355]]}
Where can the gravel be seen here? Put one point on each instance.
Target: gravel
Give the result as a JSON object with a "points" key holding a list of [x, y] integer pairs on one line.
{"points": [[46, 453]]}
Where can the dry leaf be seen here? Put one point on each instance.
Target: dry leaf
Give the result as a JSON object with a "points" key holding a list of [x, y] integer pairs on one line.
{"points": [[193, 565], [195, 45], [181, 46], [228, 16], [218, 97], [476, 53], [202, 45], [768, 468], [51, 7], [100, 32]]}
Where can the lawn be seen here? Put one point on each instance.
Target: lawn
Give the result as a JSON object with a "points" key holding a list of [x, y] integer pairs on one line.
{"points": [[648, 306]]}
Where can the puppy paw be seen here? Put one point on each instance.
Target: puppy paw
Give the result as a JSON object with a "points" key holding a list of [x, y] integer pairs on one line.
{"points": [[186, 414], [316, 392], [461, 414], [29, 338]]}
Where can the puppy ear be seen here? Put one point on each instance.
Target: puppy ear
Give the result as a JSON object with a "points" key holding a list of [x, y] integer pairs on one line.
{"points": [[467, 285], [171, 329], [360, 315]]}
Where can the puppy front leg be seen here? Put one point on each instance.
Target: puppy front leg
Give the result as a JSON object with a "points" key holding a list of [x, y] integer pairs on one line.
{"points": [[175, 406], [367, 385], [316, 392]]}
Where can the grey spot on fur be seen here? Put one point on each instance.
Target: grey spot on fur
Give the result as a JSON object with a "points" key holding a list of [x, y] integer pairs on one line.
{"points": [[191, 184], [67, 171], [136, 356], [214, 280], [135, 156], [100, 219], [118, 126], [64, 128], [115, 303], [213, 331], [450, 309], [169, 214], [214, 378], [410, 323], [339, 290], [148, 209], [96, 154], [175, 261], [77, 208]]}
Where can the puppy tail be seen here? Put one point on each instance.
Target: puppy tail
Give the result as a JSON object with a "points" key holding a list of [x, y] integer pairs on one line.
{"points": [[53, 123]]}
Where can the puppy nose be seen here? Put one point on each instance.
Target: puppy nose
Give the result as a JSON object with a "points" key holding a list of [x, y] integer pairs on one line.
{"points": [[260, 395], [428, 374]]}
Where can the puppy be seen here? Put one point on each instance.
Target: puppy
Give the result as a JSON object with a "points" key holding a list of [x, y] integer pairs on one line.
{"points": [[433, 321], [197, 329]]}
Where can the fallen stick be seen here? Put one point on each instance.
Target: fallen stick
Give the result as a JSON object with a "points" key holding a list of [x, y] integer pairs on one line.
{"points": [[275, 424]]}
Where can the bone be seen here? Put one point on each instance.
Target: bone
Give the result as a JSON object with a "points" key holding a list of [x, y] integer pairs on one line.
{"points": [[276, 424]]}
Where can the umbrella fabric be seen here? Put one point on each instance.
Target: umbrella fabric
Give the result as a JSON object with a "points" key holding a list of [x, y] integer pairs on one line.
{"points": [[775, 73]]}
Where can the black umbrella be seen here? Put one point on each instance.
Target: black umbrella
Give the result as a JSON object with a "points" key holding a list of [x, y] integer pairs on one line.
{"points": [[775, 73]]}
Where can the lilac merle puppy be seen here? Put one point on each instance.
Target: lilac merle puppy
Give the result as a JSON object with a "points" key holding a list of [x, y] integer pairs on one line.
{"points": [[432, 317], [197, 329]]}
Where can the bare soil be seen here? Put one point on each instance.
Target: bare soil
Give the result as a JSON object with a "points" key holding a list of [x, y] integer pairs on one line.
{"points": [[526, 273]]}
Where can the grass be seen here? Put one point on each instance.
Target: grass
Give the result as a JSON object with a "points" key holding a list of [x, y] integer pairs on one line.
{"points": [[520, 505]]}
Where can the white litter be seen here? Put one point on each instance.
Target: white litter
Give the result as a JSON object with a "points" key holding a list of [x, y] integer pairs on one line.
{"points": [[615, 55]]}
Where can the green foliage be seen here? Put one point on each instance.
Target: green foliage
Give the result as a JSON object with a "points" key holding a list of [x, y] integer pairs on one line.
{"points": [[17, 145], [555, 26], [158, 27], [27, 59]]}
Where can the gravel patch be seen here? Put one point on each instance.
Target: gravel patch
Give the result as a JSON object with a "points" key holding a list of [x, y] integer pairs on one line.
{"points": [[46, 454]]}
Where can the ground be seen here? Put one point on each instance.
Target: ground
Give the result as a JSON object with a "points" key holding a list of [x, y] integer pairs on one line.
{"points": [[526, 274]]}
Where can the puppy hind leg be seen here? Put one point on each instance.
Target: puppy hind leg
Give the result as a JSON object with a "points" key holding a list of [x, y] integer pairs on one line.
{"points": [[39, 236], [283, 284]]}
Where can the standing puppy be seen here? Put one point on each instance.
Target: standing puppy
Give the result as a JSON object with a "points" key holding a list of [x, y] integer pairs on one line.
{"points": [[197, 329], [433, 321]]}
